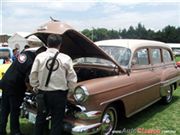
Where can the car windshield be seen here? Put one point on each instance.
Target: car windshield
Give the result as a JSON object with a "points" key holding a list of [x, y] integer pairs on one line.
{"points": [[120, 54], [92, 60]]}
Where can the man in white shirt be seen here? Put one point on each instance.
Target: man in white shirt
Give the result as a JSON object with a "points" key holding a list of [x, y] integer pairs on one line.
{"points": [[53, 77]]}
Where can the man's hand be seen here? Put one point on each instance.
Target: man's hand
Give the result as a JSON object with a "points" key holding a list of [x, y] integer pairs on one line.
{"points": [[29, 87]]}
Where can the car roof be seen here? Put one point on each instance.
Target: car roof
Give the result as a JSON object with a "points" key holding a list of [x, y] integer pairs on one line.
{"points": [[174, 45], [132, 44], [5, 48]]}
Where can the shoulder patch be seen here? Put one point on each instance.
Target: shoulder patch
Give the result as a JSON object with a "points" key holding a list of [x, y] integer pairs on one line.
{"points": [[22, 58]]}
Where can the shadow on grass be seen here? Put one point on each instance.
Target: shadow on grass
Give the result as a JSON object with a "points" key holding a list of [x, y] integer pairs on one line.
{"points": [[138, 119]]}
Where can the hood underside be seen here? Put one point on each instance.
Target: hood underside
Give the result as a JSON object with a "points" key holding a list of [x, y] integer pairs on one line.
{"points": [[74, 43]]}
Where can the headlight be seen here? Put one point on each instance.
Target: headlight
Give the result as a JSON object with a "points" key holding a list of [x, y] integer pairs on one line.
{"points": [[81, 94]]}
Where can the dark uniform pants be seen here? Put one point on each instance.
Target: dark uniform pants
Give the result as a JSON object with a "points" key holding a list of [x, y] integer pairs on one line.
{"points": [[10, 104], [55, 102]]}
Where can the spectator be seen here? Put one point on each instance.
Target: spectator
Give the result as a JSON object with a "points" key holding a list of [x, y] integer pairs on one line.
{"points": [[13, 85], [60, 77], [15, 54], [7, 60], [25, 47]]}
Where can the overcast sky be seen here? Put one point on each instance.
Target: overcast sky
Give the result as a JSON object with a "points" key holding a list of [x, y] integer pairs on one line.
{"points": [[20, 16]]}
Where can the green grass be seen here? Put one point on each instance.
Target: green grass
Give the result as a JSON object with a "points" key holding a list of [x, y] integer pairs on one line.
{"points": [[177, 58], [164, 118]]}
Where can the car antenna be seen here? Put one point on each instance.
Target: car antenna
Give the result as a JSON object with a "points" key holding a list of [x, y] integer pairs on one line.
{"points": [[54, 19]]}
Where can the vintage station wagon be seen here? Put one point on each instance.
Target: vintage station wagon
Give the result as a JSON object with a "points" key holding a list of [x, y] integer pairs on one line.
{"points": [[115, 78]]}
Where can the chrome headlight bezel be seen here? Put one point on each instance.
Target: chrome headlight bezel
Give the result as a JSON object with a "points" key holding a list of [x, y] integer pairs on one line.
{"points": [[81, 94]]}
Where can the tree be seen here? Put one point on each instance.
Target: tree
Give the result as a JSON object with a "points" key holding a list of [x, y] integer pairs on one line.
{"points": [[169, 34]]}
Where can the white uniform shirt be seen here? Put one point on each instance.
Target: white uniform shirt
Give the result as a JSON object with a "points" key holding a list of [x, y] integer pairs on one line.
{"points": [[63, 78]]}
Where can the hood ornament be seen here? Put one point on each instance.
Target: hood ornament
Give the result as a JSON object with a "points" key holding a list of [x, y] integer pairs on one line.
{"points": [[54, 20]]}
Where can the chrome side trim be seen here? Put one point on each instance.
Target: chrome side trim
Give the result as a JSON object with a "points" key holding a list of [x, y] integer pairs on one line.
{"points": [[136, 91], [162, 84], [142, 108], [166, 84], [170, 81]]}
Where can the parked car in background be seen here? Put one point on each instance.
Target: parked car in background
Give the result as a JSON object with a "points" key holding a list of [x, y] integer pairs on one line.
{"points": [[115, 78], [5, 52], [178, 63], [176, 50]]}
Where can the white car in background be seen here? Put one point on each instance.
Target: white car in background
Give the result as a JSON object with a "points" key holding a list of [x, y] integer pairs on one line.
{"points": [[175, 48]]}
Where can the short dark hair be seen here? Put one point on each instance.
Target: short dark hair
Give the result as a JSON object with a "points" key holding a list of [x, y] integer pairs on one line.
{"points": [[54, 40], [26, 46], [15, 49]]}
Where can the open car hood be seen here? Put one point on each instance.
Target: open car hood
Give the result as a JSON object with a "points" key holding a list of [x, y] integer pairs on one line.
{"points": [[74, 44]]}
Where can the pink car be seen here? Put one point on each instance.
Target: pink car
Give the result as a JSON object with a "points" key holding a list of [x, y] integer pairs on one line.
{"points": [[178, 63]]}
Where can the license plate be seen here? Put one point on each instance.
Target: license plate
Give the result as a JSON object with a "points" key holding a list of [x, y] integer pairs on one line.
{"points": [[32, 117]]}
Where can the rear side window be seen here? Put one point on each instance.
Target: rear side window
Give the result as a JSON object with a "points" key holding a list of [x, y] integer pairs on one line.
{"points": [[141, 57], [156, 55], [166, 56], [4, 53]]}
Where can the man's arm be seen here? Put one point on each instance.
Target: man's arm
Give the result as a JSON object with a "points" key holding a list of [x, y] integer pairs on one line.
{"points": [[71, 76], [33, 78]]}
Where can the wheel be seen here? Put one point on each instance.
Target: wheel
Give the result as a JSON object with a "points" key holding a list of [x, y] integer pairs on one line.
{"points": [[109, 120], [168, 98]]}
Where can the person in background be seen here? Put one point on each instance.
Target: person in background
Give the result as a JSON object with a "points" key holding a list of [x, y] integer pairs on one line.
{"points": [[7, 60], [25, 47], [15, 54], [13, 85], [53, 82]]}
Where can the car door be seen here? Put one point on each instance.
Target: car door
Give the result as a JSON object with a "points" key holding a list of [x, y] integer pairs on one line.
{"points": [[146, 79]]}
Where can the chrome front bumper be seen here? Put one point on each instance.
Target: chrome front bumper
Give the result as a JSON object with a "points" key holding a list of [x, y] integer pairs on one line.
{"points": [[82, 129], [86, 129], [85, 123], [78, 123]]}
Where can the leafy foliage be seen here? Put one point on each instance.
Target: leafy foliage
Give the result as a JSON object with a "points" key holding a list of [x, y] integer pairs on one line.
{"points": [[169, 34]]}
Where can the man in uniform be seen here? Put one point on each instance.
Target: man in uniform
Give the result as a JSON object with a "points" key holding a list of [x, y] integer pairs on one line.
{"points": [[53, 75], [13, 89]]}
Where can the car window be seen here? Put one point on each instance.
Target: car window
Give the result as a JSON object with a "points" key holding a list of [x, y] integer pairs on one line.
{"points": [[141, 57], [166, 56], [119, 54], [156, 55], [4, 53]]}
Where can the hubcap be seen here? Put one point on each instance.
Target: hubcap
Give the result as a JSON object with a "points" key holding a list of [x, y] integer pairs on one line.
{"points": [[168, 97], [109, 122]]}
